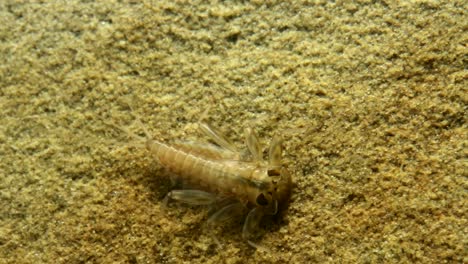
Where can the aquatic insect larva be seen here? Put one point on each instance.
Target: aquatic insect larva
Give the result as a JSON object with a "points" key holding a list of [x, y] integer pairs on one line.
{"points": [[243, 181]]}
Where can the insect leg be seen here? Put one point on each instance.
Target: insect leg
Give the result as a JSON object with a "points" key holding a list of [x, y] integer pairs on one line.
{"points": [[251, 222], [253, 144], [193, 197], [207, 150], [217, 137], [226, 213], [275, 151]]}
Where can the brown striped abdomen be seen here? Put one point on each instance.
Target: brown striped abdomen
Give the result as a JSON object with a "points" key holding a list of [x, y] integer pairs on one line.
{"points": [[227, 177]]}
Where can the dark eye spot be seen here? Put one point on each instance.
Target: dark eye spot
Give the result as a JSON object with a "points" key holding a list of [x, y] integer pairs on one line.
{"points": [[261, 200], [273, 173]]}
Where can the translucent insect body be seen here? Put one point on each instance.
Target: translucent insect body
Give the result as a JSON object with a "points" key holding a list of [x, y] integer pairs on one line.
{"points": [[244, 181]]}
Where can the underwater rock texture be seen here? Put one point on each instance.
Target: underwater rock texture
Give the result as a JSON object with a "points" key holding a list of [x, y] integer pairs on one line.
{"points": [[369, 96]]}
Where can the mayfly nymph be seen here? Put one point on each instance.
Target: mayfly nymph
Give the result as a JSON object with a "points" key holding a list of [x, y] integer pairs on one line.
{"points": [[227, 178]]}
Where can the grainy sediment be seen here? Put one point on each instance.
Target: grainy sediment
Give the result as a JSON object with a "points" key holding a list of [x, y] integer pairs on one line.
{"points": [[369, 96]]}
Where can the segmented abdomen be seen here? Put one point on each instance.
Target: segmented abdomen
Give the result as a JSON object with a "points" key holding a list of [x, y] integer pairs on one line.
{"points": [[229, 177]]}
